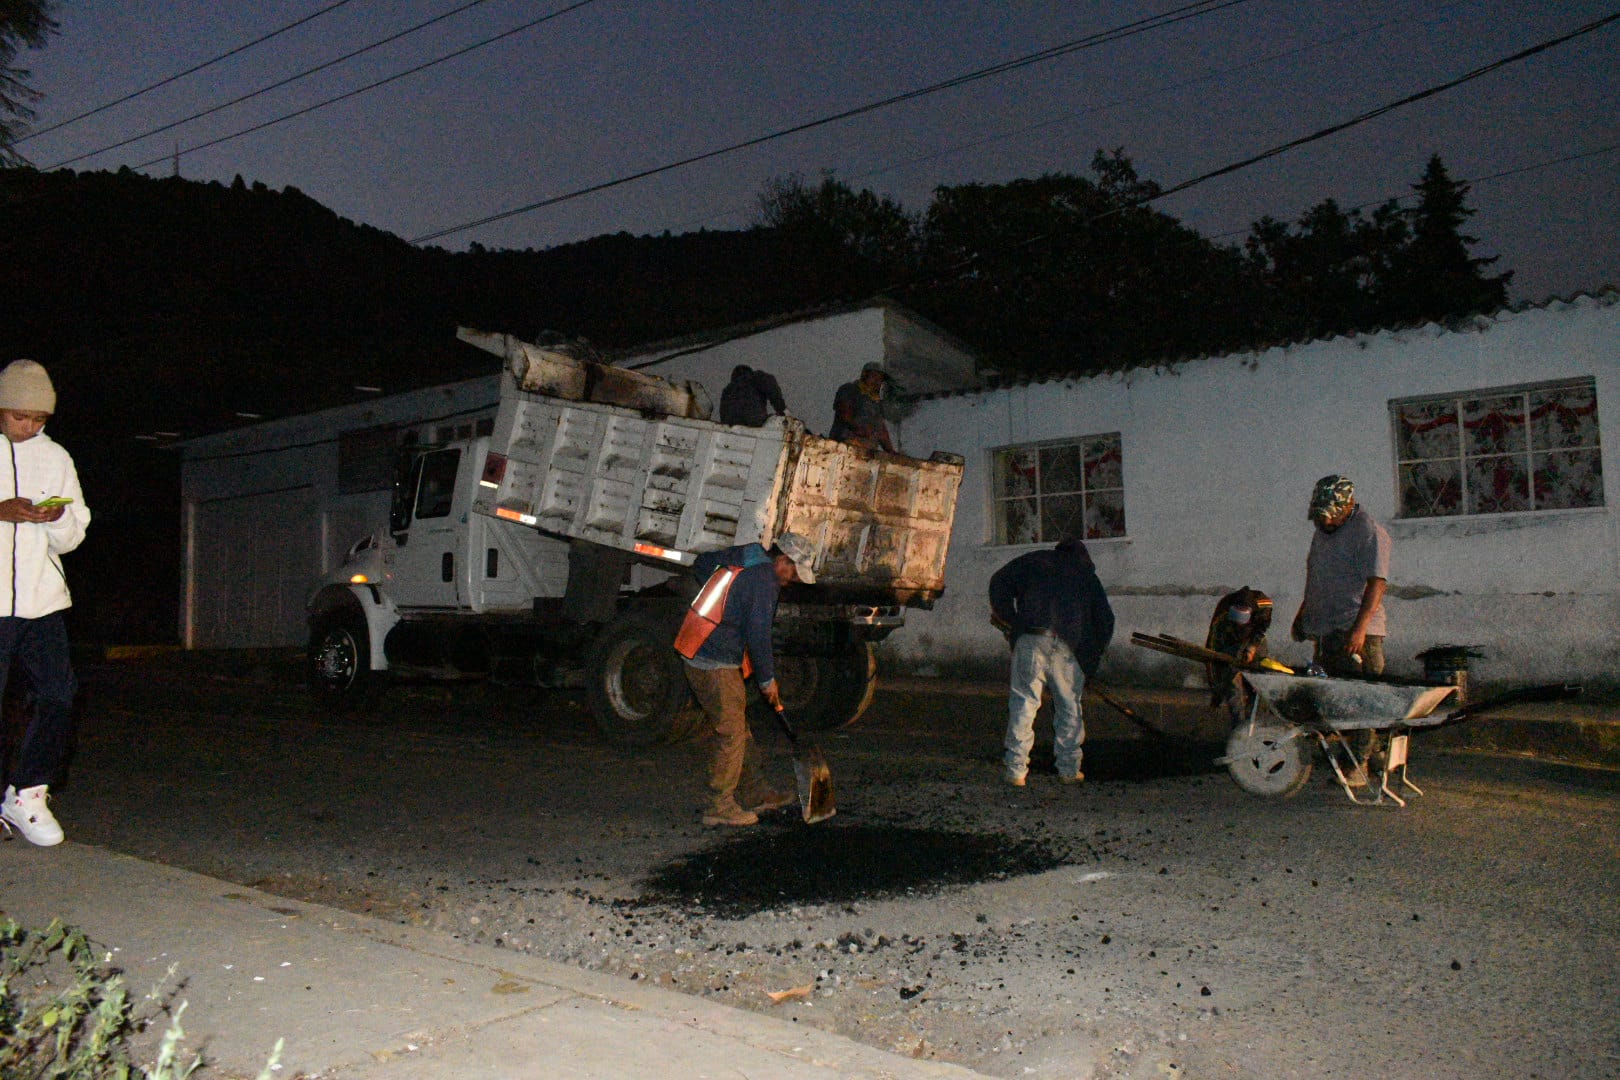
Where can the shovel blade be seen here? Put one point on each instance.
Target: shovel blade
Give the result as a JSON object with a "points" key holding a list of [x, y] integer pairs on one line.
{"points": [[814, 781]]}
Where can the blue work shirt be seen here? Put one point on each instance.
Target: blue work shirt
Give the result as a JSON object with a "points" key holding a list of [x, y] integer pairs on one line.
{"points": [[745, 624], [1056, 591]]}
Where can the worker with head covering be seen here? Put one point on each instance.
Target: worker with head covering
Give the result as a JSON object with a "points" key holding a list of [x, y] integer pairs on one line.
{"points": [[42, 518], [750, 397], [1056, 615], [1346, 575], [725, 638], [858, 412]]}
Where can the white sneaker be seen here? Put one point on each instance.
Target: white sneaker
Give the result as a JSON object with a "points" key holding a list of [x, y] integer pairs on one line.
{"points": [[26, 810]]}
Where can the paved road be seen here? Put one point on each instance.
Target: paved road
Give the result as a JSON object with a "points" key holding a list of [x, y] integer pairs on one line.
{"points": [[1154, 921]]}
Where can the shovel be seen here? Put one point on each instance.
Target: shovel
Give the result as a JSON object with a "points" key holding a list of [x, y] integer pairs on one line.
{"points": [[811, 774], [1129, 713]]}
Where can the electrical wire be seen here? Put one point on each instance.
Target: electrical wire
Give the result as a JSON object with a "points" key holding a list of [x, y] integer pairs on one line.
{"points": [[132, 95], [961, 267], [1119, 33], [958, 269], [1373, 114], [272, 86], [530, 25]]}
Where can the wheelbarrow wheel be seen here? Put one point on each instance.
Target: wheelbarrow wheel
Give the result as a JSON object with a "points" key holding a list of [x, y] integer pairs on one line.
{"points": [[1273, 760]]}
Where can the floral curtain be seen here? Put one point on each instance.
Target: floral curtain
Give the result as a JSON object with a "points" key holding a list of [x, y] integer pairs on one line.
{"points": [[1500, 453], [1044, 493]]}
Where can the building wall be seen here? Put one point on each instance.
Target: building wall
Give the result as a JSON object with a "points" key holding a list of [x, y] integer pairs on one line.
{"points": [[1219, 457], [812, 358]]}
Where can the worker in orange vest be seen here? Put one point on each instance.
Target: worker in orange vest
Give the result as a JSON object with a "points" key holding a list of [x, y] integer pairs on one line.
{"points": [[726, 636]]}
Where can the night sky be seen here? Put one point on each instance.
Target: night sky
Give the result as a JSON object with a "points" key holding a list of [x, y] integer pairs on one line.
{"points": [[619, 86]]}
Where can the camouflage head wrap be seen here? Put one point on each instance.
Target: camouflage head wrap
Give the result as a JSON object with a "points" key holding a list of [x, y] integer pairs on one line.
{"points": [[1331, 495]]}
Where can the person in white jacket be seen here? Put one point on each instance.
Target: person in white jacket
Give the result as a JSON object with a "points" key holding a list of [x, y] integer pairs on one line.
{"points": [[42, 517]]}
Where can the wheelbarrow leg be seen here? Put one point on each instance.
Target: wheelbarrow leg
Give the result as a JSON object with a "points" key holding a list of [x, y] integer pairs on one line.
{"points": [[1334, 746], [1397, 760]]}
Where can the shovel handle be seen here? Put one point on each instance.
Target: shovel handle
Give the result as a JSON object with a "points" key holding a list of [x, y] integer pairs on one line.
{"points": [[787, 728]]}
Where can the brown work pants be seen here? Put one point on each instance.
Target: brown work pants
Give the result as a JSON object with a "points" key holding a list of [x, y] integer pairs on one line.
{"points": [[733, 758]]}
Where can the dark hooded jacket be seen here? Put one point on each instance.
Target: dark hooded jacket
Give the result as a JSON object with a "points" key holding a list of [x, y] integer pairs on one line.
{"points": [[1058, 591]]}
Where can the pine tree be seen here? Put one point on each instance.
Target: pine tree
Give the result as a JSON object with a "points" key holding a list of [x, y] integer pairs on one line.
{"points": [[1434, 276], [22, 23]]}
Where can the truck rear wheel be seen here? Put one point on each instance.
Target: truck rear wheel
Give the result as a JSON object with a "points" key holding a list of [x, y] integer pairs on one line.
{"points": [[824, 692], [339, 660], [635, 682]]}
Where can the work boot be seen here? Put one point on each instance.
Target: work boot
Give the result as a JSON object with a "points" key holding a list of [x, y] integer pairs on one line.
{"points": [[728, 812], [1075, 779], [26, 811], [1016, 779]]}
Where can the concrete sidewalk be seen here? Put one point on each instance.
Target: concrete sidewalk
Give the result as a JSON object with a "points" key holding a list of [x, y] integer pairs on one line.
{"points": [[360, 999]]}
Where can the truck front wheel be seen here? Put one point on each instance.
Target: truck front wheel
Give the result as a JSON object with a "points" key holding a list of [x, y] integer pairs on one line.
{"points": [[635, 682], [824, 692], [339, 660]]}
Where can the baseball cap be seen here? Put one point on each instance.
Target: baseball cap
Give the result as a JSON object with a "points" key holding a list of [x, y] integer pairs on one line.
{"points": [[797, 548], [1331, 494]]}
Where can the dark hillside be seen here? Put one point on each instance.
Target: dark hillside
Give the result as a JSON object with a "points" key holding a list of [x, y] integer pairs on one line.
{"points": [[166, 305]]}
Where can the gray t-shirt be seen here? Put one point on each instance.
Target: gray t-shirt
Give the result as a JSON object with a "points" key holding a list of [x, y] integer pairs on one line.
{"points": [[1336, 573]]}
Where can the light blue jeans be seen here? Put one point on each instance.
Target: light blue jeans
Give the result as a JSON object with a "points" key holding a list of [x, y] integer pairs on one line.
{"points": [[1046, 662]]}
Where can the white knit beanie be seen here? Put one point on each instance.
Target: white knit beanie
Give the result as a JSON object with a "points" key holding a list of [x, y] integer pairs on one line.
{"points": [[25, 386]]}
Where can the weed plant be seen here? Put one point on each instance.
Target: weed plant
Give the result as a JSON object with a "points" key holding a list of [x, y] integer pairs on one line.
{"points": [[65, 1015]]}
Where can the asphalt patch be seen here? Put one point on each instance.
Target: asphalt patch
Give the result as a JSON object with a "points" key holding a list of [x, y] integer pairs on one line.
{"points": [[781, 865]]}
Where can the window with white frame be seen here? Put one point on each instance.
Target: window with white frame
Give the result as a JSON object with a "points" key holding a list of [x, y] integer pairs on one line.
{"points": [[1045, 492], [1499, 451]]}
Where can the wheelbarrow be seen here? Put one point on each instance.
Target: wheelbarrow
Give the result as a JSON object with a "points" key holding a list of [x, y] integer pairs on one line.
{"points": [[1282, 718], [1270, 751]]}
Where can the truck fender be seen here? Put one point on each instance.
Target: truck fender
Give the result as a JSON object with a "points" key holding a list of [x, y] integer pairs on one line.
{"points": [[372, 604]]}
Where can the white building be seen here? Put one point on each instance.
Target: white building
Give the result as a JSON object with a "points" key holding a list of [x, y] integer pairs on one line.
{"points": [[269, 509], [1478, 445]]}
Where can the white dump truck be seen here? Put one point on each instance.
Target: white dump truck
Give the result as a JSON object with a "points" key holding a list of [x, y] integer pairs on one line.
{"points": [[556, 549]]}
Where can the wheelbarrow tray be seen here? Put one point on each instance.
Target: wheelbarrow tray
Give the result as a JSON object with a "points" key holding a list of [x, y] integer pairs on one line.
{"points": [[1329, 704]]}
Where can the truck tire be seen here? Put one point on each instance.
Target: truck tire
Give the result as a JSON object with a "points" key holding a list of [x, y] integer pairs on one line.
{"points": [[339, 661], [820, 693], [635, 682]]}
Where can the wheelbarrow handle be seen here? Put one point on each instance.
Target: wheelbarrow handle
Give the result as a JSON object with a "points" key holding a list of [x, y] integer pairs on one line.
{"points": [[1545, 692]]}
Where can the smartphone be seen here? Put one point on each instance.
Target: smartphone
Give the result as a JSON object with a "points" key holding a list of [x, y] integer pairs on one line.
{"points": [[54, 500]]}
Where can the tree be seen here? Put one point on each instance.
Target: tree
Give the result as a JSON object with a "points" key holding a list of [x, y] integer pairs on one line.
{"points": [[23, 23], [1072, 273], [1325, 274], [841, 243], [1435, 277]]}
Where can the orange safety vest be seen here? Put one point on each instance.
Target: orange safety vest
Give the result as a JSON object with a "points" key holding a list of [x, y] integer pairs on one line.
{"points": [[705, 613]]}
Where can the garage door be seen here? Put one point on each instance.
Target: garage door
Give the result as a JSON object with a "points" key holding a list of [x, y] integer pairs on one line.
{"points": [[255, 560]]}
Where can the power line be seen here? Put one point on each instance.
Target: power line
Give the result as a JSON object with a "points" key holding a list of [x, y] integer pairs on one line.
{"points": [[1212, 75], [132, 95], [1274, 151], [1373, 114], [531, 24], [961, 266], [272, 86], [1188, 11]]}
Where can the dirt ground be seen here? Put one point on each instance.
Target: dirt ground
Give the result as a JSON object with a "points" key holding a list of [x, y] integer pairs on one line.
{"points": [[1152, 922]]}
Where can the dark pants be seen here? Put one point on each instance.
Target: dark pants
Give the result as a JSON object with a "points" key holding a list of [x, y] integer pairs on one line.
{"points": [[1333, 653], [734, 773], [40, 648]]}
